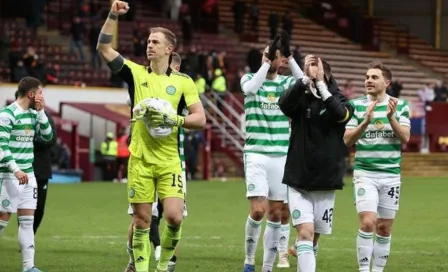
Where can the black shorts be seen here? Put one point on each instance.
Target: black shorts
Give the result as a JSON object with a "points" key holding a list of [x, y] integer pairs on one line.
{"points": [[122, 161]]}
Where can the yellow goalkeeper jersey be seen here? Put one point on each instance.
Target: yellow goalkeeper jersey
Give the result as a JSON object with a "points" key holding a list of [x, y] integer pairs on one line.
{"points": [[174, 87]]}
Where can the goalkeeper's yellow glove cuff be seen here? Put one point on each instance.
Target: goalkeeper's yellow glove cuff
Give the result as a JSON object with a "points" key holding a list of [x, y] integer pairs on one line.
{"points": [[180, 121]]}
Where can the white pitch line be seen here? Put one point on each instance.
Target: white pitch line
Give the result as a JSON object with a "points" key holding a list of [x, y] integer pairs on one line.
{"points": [[122, 239]]}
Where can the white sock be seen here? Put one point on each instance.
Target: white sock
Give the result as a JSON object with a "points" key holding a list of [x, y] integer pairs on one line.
{"points": [[306, 262], [26, 240], [381, 251], [364, 244], [253, 231], [285, 231], [3, 225], [270, 244], [315, 250], [130, 253]]}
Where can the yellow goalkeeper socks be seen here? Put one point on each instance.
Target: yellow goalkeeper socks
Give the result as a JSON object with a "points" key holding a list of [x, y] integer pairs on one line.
{"points": [[170, 238], [142, 249]]}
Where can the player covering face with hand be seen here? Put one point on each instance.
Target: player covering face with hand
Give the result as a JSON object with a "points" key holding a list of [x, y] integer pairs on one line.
{"points": [[267, 134], [154, 165], [18, 124], [379, 126], [318, 112]]}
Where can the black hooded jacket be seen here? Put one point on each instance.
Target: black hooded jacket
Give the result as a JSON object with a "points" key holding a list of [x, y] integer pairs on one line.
{"points": [[316, 148]]}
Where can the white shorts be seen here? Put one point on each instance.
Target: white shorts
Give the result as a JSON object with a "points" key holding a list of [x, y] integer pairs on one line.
{"points": [[155, 211], [14, 196], [264, 175], [312, 207], [377, 195]]}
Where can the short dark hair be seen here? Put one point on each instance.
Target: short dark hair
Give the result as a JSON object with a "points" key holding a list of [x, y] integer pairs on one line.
{"points": [[387, 74], [27, 84], [327, 69], [176, 58], [16, 94], [169, 35]]}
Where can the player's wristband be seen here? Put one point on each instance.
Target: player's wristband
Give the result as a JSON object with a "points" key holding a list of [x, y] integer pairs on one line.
{"points": [[180, 121], [322, 87]]}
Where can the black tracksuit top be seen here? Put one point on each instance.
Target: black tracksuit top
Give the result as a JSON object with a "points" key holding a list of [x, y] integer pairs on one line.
{"points": [[316, 149]]}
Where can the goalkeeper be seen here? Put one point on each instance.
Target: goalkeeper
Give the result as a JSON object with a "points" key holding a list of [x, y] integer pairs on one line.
{"points": [[154, 163]]}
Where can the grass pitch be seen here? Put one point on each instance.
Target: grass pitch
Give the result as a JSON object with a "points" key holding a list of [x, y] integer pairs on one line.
{"points": [[85, 225]]}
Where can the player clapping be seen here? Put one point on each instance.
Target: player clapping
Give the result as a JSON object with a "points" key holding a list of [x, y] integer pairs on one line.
{"points": [[318, 111], [267, 135], [380, 125]]}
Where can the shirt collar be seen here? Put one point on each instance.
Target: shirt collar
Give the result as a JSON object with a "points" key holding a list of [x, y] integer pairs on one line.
{"points": [[168, 71]]}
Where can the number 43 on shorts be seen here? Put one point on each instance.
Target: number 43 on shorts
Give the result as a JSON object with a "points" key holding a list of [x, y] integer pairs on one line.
{"points": [[394, 192]]}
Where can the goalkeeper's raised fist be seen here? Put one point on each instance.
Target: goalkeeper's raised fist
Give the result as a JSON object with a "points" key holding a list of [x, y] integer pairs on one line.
{"points": [[119, 7]]}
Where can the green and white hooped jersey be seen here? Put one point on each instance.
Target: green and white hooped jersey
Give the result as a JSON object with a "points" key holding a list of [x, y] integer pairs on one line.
{"points": [[267, 128], [378, 151], [17, 130]]}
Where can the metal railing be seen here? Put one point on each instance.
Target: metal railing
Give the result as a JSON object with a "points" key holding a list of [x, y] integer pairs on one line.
{"points": [[234, 102], [235, 114], [224, 125]]}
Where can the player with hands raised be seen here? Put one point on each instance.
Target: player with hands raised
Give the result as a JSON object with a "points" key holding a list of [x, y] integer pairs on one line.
{"points": [[318, 112], [265, 152]]}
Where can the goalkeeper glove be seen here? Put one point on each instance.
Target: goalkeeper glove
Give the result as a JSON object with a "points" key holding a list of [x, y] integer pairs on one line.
{"points": [[139, 112], [160, 119], [284, 38], [273, 48]]}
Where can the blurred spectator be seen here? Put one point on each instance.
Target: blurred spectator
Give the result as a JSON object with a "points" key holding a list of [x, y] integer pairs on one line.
{"points": [[441, 92], [297, 56], [209, 16], [18, 72], [60, 155], [349, 89], [51, 73], [222, 62], [30, 58], [94, 33], [139, 39], [200, 83], [109, 149], [5, 44], [288, 22], [395, 88], [186, 23], [34, 14], [122, 155], [219, 86], [77, 32], [254, 14], [193, 141], [254, 59], [273, 24], [192, 62], [239, 10], [427, 94]]}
